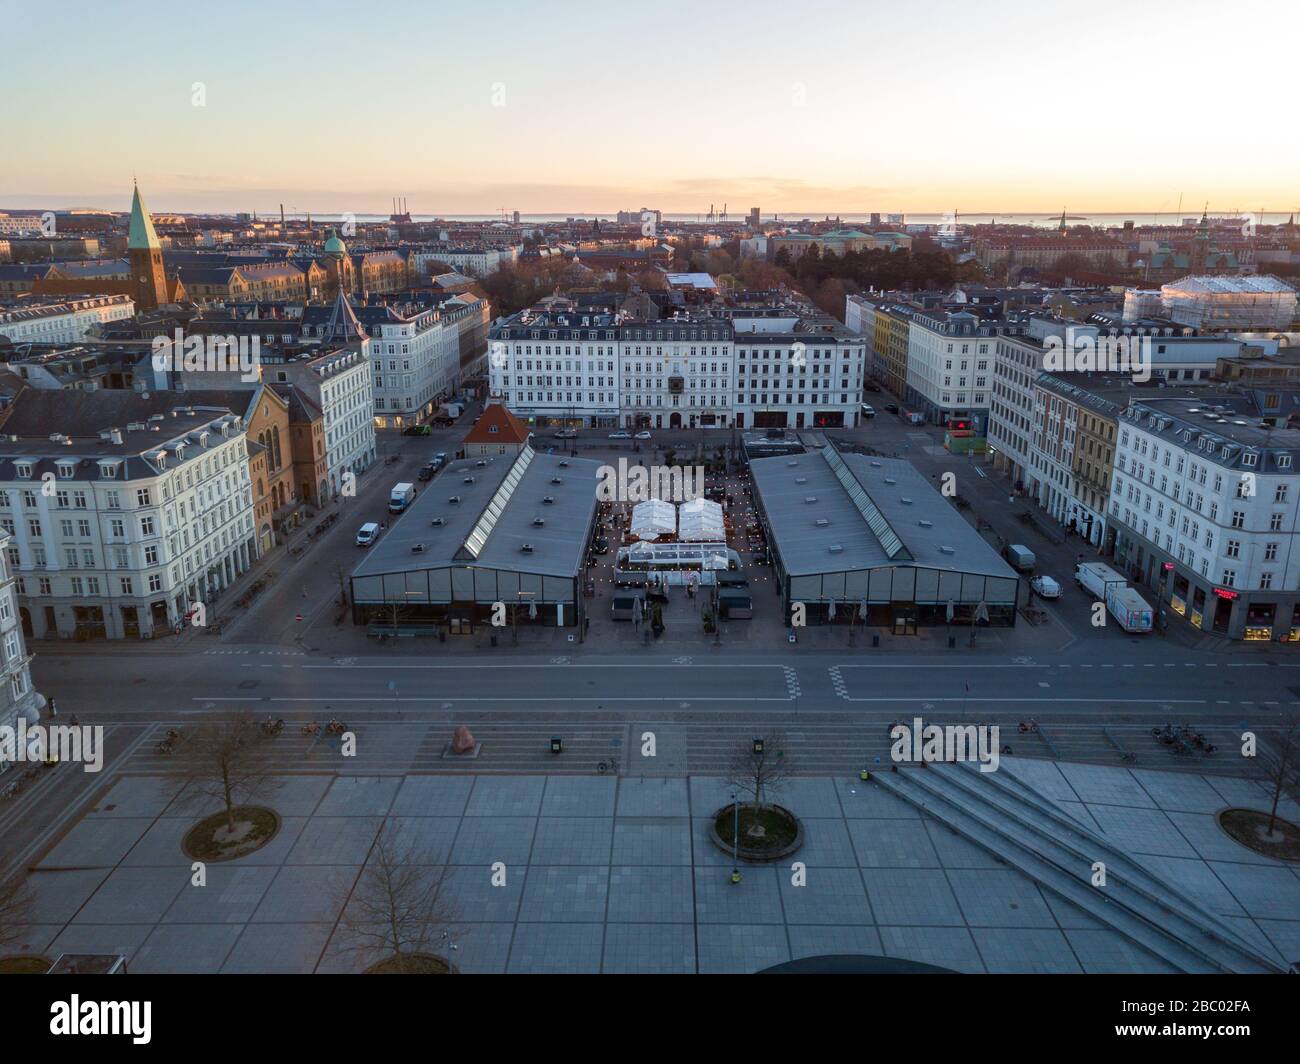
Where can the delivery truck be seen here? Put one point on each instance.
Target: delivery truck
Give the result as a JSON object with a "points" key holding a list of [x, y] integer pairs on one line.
{"points": [[1128, 608], [1094, 578], [1021, 557], [400, 497]]}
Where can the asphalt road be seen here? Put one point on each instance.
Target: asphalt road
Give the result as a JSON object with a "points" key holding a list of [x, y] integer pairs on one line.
{"points": [[157, 687]]}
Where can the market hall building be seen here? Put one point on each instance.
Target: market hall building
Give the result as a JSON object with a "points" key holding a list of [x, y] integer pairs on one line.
{"points": [[848, 529], [512, 529]]}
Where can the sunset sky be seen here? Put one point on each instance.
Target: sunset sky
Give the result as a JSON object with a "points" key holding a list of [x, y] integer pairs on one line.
{"points": [[914, 106]]}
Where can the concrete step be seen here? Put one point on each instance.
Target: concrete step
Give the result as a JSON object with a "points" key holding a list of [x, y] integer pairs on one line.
{"points": [[977, 812], [1041, 815]]}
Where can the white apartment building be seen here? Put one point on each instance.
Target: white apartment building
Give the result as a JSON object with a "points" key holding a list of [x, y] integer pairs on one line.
{"points": [[118, 536], [62, 321], [599, 370], [950, 366], [17, 697], [339, 381], [20, 224], [415, 353], [798, 373], [1052, 443], [1017, 362], [1205, 497], [472, 261]]}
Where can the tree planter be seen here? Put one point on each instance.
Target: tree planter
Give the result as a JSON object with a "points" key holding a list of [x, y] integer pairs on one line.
{"points": [[782, 833], [24, 964], [208, 840], [410, 964], [1249, 828]]}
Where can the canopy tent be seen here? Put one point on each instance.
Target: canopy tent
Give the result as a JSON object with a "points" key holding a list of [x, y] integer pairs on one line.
{"points": [[701, 521], [653, 519]]}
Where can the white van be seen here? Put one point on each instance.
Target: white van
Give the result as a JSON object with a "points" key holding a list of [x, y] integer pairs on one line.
{"points": [[367, 534]]}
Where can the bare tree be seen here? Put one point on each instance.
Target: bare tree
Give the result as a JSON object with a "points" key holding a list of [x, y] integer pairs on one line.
{"points": [[15, 909], [1281, 771], [399, 907], [758, 772], [228, 759]]}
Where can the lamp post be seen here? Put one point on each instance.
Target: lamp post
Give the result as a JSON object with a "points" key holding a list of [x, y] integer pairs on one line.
{"points": [[451, 948], [735, 839]]}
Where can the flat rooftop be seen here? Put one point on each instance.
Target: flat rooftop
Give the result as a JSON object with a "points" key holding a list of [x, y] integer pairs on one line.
{"points": [[500, 497], [898, 518]]}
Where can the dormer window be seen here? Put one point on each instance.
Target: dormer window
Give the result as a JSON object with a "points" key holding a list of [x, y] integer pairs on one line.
{"points": [[23, 469], [1249, 459]]}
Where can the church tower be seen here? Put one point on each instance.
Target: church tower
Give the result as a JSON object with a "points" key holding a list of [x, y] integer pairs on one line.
{"points": [[149, 282]]}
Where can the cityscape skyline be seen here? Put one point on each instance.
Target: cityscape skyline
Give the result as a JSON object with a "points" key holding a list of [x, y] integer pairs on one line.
{"points": [[649, 489], [493, 122]]}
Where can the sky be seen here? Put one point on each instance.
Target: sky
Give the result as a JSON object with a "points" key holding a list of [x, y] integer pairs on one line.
{"points": [[574, 107]]}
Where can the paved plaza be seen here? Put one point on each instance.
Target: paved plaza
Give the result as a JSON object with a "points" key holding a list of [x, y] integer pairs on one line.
{"points": [[614, 875]]}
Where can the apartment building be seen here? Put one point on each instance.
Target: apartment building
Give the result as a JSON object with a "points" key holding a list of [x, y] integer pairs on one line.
{"points": [[1204, 496], [116, 532], [17, 696], [950, 367], [752, 369], [42, 320], [338, 381]]}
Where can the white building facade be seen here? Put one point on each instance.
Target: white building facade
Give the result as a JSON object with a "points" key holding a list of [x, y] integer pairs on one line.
{"points": [[950, 363], [1207, 516], [341, 384], [120, 539], [17, 697], [599, 371], [64, 321]]}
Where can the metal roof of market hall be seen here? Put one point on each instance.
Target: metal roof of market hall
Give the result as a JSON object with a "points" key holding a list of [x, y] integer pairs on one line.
{"points": [[833, 512]]}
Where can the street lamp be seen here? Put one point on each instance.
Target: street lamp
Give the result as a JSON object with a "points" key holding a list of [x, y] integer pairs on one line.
{"points": [[735, 838], [451, 948]]}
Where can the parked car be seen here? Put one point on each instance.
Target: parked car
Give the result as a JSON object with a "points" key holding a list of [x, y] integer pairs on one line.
{"points": [[620, 435], [440, 459], [892, 408], [601, 545], [1045, 587], [367, 534], [868, 410], [565, 434], [427, 471], [643, 435], [416, 430]]}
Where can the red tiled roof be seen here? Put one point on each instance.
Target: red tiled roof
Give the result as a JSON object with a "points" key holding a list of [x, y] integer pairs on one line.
{"points": [[497, 425]]}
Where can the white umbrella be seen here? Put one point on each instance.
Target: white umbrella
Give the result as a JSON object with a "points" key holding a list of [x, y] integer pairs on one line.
{"points": [[950, 611], [532, 611], [862, 610], [830, 611]]}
